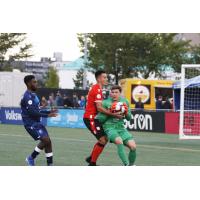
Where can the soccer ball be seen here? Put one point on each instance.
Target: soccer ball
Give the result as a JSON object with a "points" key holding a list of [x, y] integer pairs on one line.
{"points": [[118, 107]]}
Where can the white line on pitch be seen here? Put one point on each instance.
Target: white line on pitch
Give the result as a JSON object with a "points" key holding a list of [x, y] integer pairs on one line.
{"points": [[92, 141]]}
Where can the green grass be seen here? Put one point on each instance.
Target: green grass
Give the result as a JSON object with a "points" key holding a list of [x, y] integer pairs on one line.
{"points": [[71, 146]]}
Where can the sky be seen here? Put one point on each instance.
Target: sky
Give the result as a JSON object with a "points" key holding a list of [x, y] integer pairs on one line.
{"points": [[45, 44]]}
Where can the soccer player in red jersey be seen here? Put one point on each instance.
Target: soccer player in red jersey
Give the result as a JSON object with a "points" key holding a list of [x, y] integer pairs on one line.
{"points": [[94, 105]]}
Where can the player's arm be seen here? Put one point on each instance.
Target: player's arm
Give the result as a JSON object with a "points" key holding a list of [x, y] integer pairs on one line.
{"points": [[48, 112], [45, 112], [33, 111], [128, 113], [103, 110]]}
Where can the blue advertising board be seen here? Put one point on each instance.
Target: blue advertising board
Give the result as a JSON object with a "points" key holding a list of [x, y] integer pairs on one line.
{"points": [[9, 115], [69, 118]]}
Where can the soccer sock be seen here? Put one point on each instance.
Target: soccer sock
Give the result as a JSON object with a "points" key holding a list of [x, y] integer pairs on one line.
{"points": [[98, 148], [122, 153], [132, 157], [49, 157], [36, 152]]}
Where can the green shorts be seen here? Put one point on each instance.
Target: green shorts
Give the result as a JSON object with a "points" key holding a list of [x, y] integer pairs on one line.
{"points": [[113, 133]]}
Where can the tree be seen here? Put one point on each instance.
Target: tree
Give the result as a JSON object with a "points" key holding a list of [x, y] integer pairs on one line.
{"points": [[13, 47], [135, 54], [195, 54], [78, 81], [52, 80]]}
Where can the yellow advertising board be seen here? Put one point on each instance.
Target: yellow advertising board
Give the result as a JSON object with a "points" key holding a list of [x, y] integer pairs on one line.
{"points": [[147, 90]]}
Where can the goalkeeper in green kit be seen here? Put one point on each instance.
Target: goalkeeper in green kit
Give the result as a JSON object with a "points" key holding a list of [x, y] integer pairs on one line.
{"points": [[114, 127]]}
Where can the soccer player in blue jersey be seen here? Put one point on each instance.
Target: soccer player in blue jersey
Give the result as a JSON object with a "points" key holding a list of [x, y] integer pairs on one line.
{"points": [[31, 115]]}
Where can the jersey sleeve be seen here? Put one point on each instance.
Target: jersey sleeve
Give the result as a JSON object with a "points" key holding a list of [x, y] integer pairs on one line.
{"points": [[32, 109], [128, 116], [45, 112]]}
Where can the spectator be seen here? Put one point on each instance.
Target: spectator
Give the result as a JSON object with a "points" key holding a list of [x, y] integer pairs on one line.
{"points": [[59, 99], [172, 103], [139, 104], [51, 101], [53, 96], [75, 101], [167, 104], [44, 102], [82, 102], [67, 102], [159, 103]]}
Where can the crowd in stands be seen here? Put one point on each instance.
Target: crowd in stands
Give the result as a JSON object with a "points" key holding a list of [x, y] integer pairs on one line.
{"points": [[63, 100], [164, 103], [75, 101]]}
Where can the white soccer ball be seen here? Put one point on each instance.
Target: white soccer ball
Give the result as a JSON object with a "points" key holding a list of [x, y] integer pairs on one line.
{"points": [[118, 107]]}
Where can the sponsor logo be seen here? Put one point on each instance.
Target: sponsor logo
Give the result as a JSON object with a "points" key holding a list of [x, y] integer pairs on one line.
{"points": [[56, 119], [140, 121], [30, 102], [98, 96], [11, 115], [142, 92], [72, 118]]}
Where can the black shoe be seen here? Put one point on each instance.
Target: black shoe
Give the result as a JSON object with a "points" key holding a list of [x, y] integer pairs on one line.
{"points": [[88, 159], [92, 164]]}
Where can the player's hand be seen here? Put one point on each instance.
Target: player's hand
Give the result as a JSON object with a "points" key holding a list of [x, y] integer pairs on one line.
{"points": [[126, 109], [53, 110], [117, 115], [52, 114]]}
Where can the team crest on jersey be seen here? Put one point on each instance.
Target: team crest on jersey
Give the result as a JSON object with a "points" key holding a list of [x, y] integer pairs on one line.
{"points": [[30, 102], [98, 96]]}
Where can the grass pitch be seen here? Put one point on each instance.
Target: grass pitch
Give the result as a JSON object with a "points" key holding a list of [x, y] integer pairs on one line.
{"points": [[71, 146]]}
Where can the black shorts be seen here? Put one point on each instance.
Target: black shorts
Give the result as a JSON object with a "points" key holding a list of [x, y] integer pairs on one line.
{"points": [[95, 127]]}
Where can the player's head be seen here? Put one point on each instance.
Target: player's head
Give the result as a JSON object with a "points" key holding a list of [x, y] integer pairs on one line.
{"points": [[30, 82], [115, 92], [101, 77]]}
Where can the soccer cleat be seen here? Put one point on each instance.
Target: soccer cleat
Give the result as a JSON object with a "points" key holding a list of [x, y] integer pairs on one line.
{"points": [[88, 159], [30, 161], [92, 164]]}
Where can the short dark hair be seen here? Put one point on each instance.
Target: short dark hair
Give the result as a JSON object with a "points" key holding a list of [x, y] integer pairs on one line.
{"points": [[116, 87], [28, 78], [98, 73]]}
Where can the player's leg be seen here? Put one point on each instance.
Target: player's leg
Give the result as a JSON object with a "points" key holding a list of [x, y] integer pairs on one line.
{"points": [[39, 132], [130, 143], [48, 149], [37, 150], [96, 129], [32, 130], [115, 138], [45, 139], [132, 154], [97, 150]]}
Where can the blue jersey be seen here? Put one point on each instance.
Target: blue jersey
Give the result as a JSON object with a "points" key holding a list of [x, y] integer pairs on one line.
{"points": [[30, 106]]}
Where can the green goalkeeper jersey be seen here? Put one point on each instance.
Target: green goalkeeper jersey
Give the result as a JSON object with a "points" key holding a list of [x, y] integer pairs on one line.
{"points": [[110, 121]]}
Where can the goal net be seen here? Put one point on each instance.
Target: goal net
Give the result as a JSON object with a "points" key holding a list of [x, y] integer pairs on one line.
{"points": [[189, 126]]}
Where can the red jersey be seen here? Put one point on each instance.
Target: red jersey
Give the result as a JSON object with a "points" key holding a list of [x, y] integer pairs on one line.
{"points": [[94, 95]]}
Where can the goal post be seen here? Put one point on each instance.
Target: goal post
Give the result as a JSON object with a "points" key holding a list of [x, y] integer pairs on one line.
{"points": [[189, 121]]}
